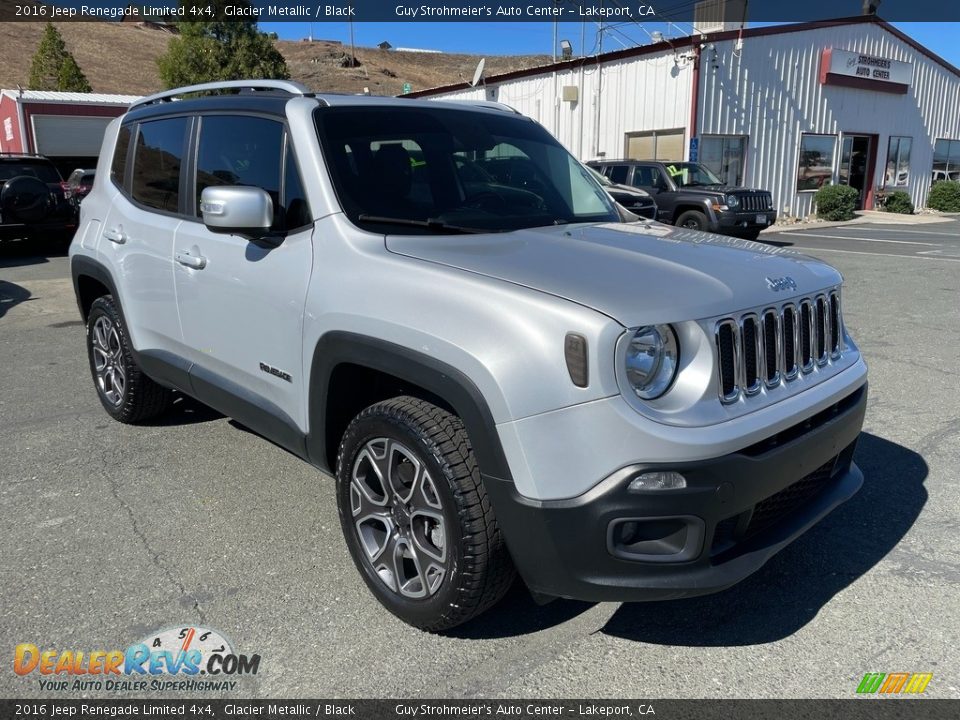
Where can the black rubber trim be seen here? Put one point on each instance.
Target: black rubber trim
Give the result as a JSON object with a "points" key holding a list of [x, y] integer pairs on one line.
{"points": [[560, 547], [438, 378], [248, 409]]}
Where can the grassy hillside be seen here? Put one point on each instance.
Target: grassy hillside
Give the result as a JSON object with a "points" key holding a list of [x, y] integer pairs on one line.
{"points": [[121, 58]]}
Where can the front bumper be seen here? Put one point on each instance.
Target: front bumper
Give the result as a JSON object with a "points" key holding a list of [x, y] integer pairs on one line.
{"points": [[731, 222], [736, 512]]}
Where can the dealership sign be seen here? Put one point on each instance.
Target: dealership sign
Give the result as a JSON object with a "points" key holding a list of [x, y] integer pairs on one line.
{"points": [[868, 72]]}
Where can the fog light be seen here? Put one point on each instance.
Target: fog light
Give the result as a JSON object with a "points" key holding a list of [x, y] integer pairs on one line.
{"points": [[661, 480]]}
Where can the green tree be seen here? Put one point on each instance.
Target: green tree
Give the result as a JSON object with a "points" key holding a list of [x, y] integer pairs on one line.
{"points": [[53, 67], [212, 48], [71, 77]]}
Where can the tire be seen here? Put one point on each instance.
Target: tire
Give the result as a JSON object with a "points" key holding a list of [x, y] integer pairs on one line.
{"points": [[692, 220], [125, 392], [430, 511]]}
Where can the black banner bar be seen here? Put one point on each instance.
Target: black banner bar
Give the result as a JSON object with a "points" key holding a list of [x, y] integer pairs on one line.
{"points": [[873, 708], [610, 11]]}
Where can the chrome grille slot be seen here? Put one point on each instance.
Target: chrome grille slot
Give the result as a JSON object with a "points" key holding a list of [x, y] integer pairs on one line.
{"points": [[836, 327], [750, 336], [806, 336], [769, 347], [789, 322], [821, 323], [772, 347], [728, 351]]}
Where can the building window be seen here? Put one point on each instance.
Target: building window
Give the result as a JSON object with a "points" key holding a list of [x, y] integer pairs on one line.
{"points": [[815, 168], [897, 173], [946, 160], [724, 155], [661, 145]]}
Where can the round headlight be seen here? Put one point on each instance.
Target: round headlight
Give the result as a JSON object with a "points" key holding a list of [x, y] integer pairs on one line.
{"points": [[651, 361], [732, 201]]}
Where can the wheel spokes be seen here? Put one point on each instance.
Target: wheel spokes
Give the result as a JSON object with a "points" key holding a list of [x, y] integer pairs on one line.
{"points": [[398, 517]]}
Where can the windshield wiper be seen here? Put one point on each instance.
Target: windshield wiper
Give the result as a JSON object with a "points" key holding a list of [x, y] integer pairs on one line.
{"points": [[429, 223]]}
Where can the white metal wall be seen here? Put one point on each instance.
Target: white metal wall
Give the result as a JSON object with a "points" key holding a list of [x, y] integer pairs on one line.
{"points": [[771, 92], [648, 93]]}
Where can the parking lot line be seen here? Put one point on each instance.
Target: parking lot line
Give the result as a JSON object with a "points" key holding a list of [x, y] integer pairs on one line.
{"points": [[860, 239], [880, 254], [909, 232]]}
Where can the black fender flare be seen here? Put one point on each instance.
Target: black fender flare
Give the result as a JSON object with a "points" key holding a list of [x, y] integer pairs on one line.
{"points": [[438, 378], [85, 266]]}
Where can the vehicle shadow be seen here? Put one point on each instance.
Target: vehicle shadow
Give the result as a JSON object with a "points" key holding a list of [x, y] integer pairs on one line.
{"points": [[184, 411], [31, 252], [518, 614], [794, 585], [11, 295]]}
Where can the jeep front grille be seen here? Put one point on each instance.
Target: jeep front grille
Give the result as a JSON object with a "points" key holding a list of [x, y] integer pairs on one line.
{"points": [[777, 344], [755, 202]]}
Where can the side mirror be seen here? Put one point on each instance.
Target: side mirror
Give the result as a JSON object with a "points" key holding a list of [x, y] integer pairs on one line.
{"points": [[244, 211]]}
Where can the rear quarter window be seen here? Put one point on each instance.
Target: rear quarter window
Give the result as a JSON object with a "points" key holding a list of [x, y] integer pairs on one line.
{"points": [[157, 160], [118, 168]]}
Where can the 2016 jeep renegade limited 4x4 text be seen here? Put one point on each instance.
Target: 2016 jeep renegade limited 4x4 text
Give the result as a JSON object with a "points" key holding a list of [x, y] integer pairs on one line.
{"points": [[439, 304]]}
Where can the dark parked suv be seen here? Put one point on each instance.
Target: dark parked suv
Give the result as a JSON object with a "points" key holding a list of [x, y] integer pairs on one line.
{"points": [[33, 200], [689, 195]]}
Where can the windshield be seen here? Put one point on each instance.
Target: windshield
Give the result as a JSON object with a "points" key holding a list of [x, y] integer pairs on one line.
{"points": [[42, 171], [411, 170], [691, 174]]}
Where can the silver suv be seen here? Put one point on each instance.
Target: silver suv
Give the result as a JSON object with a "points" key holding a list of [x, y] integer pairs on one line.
{"points": [[437, 303]]}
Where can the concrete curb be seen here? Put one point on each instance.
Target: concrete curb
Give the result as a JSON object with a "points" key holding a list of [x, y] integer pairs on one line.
{"points": [[866, 217]]}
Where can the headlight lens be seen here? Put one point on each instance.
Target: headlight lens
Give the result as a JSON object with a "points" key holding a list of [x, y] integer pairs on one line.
{"points": [[732, 201], [652, 360]]}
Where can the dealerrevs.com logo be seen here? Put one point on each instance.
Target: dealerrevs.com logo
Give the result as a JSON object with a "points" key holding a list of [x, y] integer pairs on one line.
{"points": [[184, 658]]}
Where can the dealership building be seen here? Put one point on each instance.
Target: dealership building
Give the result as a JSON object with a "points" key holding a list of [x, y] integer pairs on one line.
{"points": [[787, 108], [67, 127]]}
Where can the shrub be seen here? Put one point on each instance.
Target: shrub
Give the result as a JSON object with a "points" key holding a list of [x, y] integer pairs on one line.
{"points": [[945, 196], [836, 202], [898, 202]]}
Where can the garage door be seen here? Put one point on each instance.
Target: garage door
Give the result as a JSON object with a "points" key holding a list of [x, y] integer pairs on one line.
{"points": [[68, 136]]}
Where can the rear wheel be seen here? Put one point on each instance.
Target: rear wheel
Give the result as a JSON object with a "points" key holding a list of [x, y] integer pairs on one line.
{"points": [[124, 391], [416, 517], [692, 220]]}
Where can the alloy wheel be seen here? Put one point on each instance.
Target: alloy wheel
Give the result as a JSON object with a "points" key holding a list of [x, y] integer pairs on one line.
{"points": [[108, 360], [398, 517]]}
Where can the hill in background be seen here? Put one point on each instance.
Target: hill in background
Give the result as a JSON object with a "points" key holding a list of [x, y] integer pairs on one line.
{"points": [[121, 58]]}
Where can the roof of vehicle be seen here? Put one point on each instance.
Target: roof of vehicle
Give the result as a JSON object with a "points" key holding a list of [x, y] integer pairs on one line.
{"points": [[24, 157]]}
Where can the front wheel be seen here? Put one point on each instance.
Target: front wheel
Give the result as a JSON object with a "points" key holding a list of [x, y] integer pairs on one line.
{"points": [[692, 220], [416, 517]]}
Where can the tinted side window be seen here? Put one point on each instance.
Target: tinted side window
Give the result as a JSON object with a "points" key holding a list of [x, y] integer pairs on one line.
{"points": [[118, 168], [618, 174], [156, 163], [647, 176], [238, 150]]}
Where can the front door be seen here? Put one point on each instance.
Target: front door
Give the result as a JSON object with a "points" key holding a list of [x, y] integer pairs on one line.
{"points": [[241, 302], [855, 162]]}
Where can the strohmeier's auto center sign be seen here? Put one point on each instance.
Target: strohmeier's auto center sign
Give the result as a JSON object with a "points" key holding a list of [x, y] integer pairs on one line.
{"points": [[869, 72]]}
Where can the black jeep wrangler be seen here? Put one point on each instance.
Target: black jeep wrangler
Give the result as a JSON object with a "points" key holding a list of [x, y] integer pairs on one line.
{"points": [[689, 195], [34, 202]]}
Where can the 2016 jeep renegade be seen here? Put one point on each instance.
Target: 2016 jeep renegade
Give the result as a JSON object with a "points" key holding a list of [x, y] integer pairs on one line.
{"points": [[438, 303]]}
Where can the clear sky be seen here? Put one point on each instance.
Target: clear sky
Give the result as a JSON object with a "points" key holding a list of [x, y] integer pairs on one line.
{"points": [[509, 38]]}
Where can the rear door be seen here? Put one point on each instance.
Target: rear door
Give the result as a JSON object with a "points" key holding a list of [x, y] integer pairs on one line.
{"points": [[241, 302], [136, 239]]}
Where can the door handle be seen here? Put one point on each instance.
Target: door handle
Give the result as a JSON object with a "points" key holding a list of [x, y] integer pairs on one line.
{"points": [[115, 235], [197, 262]]}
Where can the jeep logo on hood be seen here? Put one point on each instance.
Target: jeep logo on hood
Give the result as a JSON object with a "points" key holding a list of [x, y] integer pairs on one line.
{"points": [[781, 283]]}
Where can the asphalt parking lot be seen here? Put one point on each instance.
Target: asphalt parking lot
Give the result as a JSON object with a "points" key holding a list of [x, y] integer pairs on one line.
{"points": [[112, 532]]}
